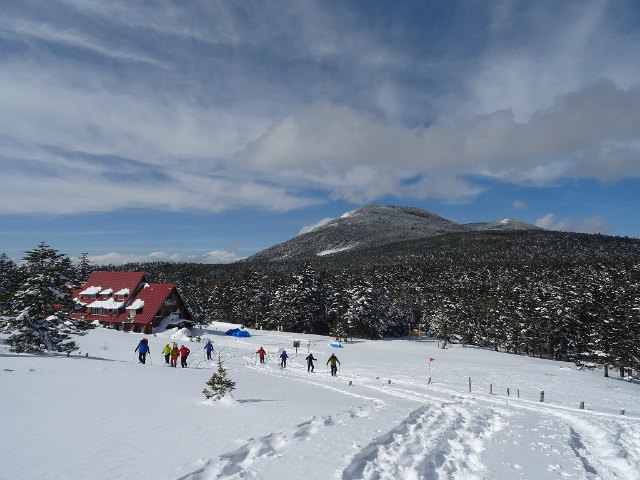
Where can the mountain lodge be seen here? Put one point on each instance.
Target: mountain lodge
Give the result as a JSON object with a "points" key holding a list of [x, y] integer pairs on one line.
{"points": [[126, 301]]}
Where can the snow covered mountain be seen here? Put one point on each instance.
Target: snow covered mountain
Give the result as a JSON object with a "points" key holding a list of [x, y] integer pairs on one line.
{"points": [[506, 224], [376, 225]]}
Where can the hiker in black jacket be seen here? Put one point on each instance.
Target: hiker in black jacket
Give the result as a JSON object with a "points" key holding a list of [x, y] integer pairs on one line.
{"points": [[310, 360]]}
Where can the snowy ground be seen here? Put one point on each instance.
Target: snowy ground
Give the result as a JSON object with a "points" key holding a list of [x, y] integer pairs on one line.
{"points": [[105, 416]]}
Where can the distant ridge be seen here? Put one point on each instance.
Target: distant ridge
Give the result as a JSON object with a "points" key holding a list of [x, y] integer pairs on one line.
{"points": [[372, 226]]}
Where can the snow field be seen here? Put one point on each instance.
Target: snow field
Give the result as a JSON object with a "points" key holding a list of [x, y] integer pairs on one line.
{"points": [[110, 417]]}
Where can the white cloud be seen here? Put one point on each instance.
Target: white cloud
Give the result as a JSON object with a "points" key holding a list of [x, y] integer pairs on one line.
{"points": [[212, 257], [309, 228], [595, 224], [176, 126], [549, 222]]}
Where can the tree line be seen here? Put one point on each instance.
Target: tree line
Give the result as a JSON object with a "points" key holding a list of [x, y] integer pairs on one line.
{"points": [[558, 305]]}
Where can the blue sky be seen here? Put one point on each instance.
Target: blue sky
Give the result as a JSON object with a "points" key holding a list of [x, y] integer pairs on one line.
{"points": [[207, 131]]}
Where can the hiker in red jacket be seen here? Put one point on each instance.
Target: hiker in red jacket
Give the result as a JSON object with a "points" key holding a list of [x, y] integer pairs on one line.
{"points": [[261, 353], [184, 353]]}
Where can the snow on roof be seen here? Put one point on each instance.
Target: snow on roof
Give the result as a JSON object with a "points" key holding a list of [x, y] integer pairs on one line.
{"points": [[108, 291], [137, 303], [110, 304], [91, 291], [124, 291]]}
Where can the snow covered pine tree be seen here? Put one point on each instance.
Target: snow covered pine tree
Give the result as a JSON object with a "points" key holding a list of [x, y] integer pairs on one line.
{"points": [[41, 305], [219, 383]]}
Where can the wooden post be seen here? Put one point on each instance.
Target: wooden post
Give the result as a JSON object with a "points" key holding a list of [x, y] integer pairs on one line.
{"points": [[507, 392], [542, 395], [469, 384], [518, 393], [622, 412], [429, 381], [491, 389], [389, 382], [581, 405], [350, 382]]}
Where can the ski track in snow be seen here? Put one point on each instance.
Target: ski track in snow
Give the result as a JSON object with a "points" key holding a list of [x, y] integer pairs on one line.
{"points": [[436, 441], [443, 439], [242, 463]]}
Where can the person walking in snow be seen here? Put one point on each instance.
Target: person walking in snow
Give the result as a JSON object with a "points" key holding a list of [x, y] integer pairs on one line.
{"points": [[310, 360], [166, 351], [208, 348], [142, 349], [261, 353], [283, 359], [184, 353], [334, 368], [175, 351]]}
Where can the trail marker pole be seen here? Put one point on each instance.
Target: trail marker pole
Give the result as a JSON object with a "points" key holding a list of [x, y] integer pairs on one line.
{"points": [[469, 384], [622, 412], [542, 395], [581, 405], [491, 389]]}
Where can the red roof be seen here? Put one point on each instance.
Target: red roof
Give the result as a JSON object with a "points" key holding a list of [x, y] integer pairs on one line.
{"points": [[152, 294], [115, 280]]}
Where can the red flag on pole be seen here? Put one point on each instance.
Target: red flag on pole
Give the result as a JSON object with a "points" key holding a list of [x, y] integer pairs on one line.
{"points": [[431, 359]]}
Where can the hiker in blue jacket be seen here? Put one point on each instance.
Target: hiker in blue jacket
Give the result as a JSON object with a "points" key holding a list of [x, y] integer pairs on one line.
{"points": [[142, 349], [208, 348], [283, 359]]}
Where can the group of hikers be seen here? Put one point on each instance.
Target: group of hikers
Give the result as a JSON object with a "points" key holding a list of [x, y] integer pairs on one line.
{"points": [[171, 355], [333, 360]]}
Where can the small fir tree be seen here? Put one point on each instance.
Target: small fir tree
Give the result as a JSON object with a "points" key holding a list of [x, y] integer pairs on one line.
{"points": [[219, 383]]}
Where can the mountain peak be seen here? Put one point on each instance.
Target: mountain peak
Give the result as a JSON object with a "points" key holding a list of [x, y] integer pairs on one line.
{"points": [[374, 225]]}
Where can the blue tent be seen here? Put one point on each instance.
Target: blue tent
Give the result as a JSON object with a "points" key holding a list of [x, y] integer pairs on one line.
{"points": [[335, 345], [232, 331], [241, 333]]}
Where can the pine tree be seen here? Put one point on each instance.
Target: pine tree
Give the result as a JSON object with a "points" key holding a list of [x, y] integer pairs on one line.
{"points": [[219, 383], [42, 305], [9, 279], [84, 267]]}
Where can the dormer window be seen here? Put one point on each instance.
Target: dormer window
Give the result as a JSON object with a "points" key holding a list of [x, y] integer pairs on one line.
{"points": [[106, 294], [122, 294]]}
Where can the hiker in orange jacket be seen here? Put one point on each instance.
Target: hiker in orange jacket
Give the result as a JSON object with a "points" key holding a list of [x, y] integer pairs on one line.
{"points": [[175, 351]]}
